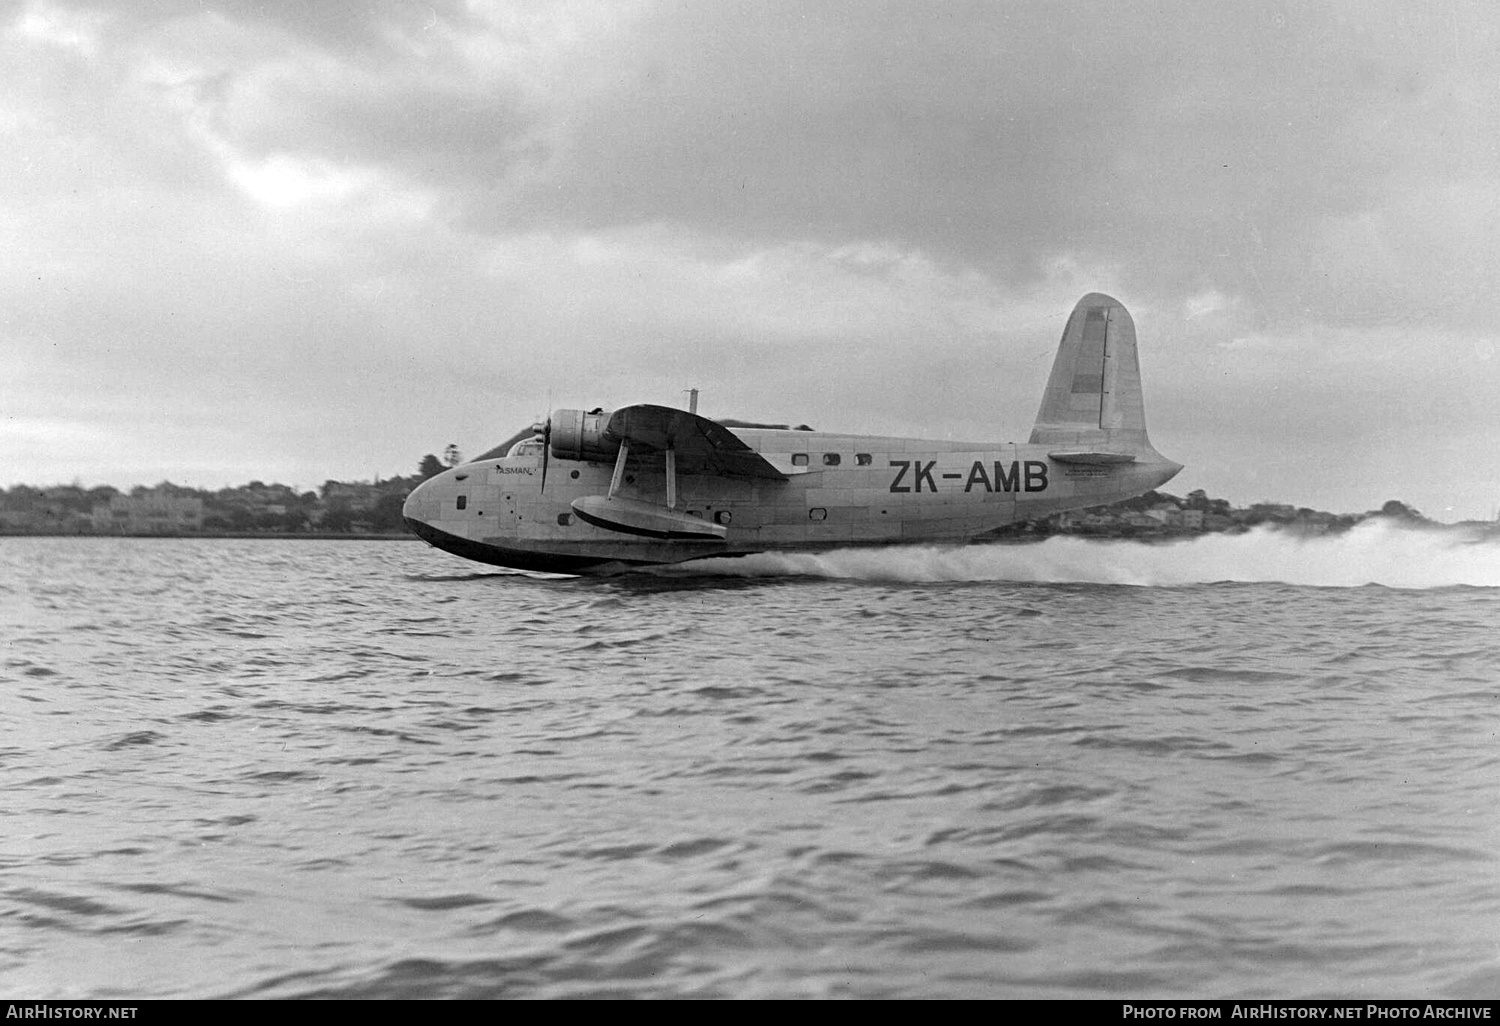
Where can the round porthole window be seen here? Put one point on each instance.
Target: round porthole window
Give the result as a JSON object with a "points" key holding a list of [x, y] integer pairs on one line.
{"points": [[723, 517], [817, 513]]}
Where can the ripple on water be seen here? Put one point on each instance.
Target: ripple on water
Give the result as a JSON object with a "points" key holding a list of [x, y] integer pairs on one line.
{"points": [[311, 769]]}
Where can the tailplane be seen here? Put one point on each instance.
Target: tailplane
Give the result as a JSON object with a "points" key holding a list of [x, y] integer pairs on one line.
{"points": [[1093, 411]]}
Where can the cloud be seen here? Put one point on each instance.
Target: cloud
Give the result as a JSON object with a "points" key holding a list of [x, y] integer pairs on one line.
{"points": [[1199, 148], [371, 224]]}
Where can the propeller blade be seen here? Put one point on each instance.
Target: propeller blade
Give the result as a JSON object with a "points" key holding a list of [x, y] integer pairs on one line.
{"points": [[546, 448]]}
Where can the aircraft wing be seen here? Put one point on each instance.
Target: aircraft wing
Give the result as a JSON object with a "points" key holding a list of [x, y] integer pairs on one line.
{"points": [[702, 446]]}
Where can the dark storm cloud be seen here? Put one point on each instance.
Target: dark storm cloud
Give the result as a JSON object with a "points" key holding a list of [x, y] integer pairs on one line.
{"points": [[362, 83], [1245, 148], [1231, 147], [434, 134], [1196, 139], [338, 25]]}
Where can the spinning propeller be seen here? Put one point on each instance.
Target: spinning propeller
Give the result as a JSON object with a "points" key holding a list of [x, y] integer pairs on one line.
{"points": [[544, 428], [546, 448]]}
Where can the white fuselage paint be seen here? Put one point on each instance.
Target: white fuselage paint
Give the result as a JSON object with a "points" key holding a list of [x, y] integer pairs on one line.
{"points": [[907, 490]]}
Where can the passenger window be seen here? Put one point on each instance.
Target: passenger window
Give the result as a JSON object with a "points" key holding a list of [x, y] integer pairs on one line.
{"points": [[799, 459], [564, 519], [830, 459], [463, 502], [862, 458], [817, 513]]}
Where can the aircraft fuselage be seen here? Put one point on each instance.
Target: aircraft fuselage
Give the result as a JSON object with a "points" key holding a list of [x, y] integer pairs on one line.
{"points": [[840, 490], [596, 491]]}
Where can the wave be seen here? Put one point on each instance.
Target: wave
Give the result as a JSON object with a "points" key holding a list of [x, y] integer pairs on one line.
{"points": [[1375, 552]]}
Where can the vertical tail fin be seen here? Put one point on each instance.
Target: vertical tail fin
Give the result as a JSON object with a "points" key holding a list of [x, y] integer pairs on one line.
{"points": [[1093, 401]]}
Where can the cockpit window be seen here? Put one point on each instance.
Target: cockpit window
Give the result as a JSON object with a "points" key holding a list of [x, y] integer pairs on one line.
{"points": [[504, 448], [526, 447]]}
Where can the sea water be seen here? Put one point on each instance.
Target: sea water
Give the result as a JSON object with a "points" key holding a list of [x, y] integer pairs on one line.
{"points": [[1241, 766]]}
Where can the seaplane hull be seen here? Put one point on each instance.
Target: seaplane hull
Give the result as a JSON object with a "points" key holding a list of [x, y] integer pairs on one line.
{"points": [[599, 492]]}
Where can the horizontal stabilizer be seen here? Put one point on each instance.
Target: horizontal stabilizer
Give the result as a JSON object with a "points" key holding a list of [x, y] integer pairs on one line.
{"points": [[1079, 456]]}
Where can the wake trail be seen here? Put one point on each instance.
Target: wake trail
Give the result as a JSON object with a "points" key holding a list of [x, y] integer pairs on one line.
{"points": [[1375, 552]]}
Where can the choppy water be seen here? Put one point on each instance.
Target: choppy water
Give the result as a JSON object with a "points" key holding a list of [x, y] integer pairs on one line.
{"points": [[1219, 769]]}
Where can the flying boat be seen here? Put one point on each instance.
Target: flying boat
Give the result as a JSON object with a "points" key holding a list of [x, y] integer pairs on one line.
{"points": [[605, 491]]}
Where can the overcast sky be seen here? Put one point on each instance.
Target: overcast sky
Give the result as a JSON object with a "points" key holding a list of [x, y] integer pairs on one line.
{"points": [[294, 241]]}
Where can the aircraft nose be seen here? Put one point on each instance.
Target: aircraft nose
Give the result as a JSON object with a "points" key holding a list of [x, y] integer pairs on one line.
{"points": [[418, 506], [421, 511]]}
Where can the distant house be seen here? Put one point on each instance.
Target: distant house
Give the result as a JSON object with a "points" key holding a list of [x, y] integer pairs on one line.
{"points": [[54, 511], [152, 512]]}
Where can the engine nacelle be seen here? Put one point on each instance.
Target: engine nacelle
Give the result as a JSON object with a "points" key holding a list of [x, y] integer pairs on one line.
{"points": [[577, 435]]}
